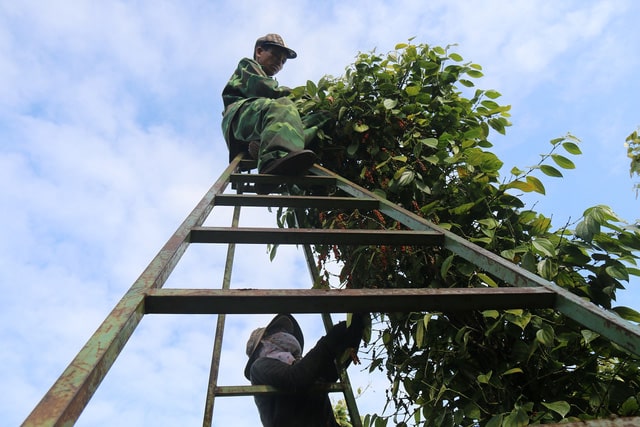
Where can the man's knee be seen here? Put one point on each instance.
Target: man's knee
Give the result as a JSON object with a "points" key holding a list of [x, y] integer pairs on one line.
{"points": [[283, 110]]}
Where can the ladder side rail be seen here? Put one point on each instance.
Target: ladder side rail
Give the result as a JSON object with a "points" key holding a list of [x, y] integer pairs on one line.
{"points": [[69, 395], [217, 346], [347, 390], [607, 324]]}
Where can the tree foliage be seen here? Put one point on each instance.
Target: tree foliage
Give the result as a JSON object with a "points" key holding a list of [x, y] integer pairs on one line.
{"points": [[411, 126], [633, 152]]}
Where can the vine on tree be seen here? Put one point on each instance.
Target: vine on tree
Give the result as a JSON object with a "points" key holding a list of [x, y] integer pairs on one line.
{"points": [[411, 126]]}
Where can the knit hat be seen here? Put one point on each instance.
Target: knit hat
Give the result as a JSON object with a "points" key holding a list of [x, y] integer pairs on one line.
{"points": [[280, 323], [276, 40]]}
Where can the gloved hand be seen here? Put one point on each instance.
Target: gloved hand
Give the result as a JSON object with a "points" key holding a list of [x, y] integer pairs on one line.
{"points": [[341, 337]]}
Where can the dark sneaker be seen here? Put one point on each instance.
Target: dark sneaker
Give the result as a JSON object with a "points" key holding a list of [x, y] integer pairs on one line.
{"points": [[294, 163]]}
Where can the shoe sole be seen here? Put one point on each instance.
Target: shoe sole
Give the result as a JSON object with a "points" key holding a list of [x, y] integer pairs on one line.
{"points": [[296, 163]]}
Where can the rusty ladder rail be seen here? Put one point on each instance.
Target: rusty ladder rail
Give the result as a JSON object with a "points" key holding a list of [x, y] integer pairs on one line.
{"points": [[68, 396]]}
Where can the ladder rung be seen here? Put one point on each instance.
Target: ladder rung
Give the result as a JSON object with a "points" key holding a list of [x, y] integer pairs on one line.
{"points": [[298, 236], [297, 201], [251, 390], [243, 178], [264, 301], [248, 164]]}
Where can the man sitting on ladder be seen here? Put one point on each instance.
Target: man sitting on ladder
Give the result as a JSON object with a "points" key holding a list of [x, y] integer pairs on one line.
{"points": [[258, 109], [261, 119]]}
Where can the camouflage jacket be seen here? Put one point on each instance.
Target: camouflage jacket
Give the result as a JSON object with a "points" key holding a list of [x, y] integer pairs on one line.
{"points": [[248, 82]]}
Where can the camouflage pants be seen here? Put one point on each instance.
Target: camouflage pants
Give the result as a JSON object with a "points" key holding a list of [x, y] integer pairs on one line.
{"points": [[277, 124]]}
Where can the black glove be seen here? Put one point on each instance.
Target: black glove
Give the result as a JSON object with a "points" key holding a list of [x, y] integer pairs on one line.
{"points": [[340, 338]]}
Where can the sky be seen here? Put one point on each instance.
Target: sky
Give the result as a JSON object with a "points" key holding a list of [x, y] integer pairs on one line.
{"points": [[110, 127]]}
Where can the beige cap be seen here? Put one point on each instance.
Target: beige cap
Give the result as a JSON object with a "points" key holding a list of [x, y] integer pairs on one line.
{"points": [[276, 40]]}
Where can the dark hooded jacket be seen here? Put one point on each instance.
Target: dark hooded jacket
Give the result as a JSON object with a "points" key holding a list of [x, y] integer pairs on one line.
{"points": [[299, 404]]}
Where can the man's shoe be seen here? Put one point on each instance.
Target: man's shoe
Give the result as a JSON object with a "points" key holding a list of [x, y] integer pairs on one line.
{"points": [[294, 163]]}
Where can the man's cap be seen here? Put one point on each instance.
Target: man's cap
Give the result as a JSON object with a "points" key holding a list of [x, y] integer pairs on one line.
{"points": [[280, 323], [276, 40]]}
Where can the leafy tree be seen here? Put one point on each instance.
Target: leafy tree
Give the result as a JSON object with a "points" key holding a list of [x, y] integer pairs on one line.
{"points": [[633, 151], [341, 413], [411, 126]]}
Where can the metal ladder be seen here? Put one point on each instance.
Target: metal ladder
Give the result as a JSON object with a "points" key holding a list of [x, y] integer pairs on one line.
{"points": [[69, 395]]}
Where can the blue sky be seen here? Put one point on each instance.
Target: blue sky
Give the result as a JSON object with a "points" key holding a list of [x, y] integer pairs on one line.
{"points": [[110, 127]]}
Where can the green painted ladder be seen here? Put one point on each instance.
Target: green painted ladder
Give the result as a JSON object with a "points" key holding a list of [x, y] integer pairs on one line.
{"points": [[65, 401]]}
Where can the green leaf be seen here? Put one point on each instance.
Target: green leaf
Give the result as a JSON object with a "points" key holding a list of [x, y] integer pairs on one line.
{"points": [[430, 142], [462, 208], [561, 407], [540, 225], [422, 186], [588, 335], [600, 214], [446, 265], [522, 320], [341, 112], [551, 171], [627, 313], [536, 183], [544, 247], [563, 162], [312, 88], [360, 127], [498, 125], [406, 178], [492, 314], [547, 269], [419, 334], [484, 378], [389, 103], [352, 149], [488, 280], [513, 371], [495, 421], [517, 418], [475, 74], [455, 57], [586, 229], [426, 319], [492, 94], [572, 148], [273, 249], [545, 336], [521, 185], [412, 90], [629, 406], [471, 410], [617, 271]]}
